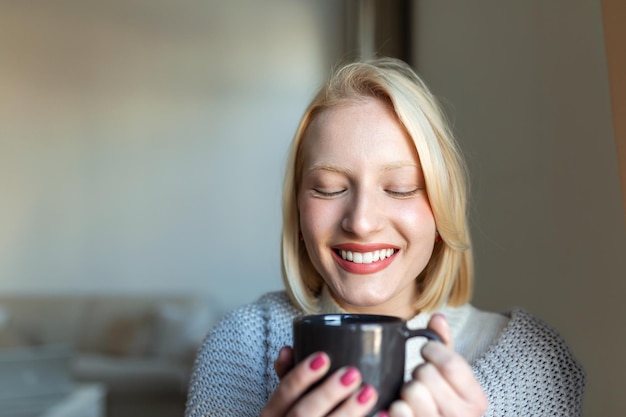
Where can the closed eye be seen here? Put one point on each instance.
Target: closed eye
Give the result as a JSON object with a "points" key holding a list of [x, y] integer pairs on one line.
{"points": [[327, 193], [403, 194]]}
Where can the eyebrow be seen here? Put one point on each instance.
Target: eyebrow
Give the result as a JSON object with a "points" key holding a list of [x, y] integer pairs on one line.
{"points": [[401, 164], [328, 167], [344, 170]]}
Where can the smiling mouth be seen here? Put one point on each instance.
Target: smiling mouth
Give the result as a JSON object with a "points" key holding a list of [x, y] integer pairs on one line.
{"points": [[365, 257]]}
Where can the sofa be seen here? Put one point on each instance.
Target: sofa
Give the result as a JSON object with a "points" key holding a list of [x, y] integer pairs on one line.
{"points": [[139, 348]]}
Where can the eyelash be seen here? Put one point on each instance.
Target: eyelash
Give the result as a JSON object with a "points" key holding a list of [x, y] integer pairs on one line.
{"points": [[403, 193], [325, 194], [400, 194]]}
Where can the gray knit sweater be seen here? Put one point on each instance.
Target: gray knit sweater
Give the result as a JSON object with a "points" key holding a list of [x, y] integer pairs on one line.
{"points": [[527, 371]]}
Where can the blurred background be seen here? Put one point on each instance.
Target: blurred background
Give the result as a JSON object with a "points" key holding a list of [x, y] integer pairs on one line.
{"points": [[142, 147]]}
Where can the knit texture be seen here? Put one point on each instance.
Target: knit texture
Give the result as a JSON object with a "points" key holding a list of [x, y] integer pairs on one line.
{"points": [[527, 371]]}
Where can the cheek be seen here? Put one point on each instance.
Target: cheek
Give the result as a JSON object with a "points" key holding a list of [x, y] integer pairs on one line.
{"points": [[315, 217], [316, 227], [418, 219], [319, 220], [307, 214]]}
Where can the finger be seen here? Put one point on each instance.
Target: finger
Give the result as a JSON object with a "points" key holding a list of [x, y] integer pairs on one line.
{"points": [[358, 404], [400, 408], [453, 368], [284, 362], [446, 368], [328, 395], [439, 325], [419, 398], [430, 392], [296, 382]]}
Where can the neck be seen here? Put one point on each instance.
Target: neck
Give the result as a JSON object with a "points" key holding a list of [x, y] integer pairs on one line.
{"points": [[328, 304]]}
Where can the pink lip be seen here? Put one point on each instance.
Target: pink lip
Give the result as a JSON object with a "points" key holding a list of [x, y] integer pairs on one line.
{"points": [[363, 268], [364, 247]]}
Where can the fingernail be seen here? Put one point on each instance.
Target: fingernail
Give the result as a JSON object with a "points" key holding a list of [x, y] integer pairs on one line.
{"points": [[382, 414], [349, 377], [366, 394], [283, 351], [317, 362]]}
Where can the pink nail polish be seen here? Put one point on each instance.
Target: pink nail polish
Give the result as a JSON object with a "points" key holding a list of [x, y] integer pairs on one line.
{"points": [[317, 362], [348, 378], [383, 414], [366, 394]]}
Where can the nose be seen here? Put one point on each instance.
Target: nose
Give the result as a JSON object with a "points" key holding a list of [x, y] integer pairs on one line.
{"points": [[362, 215]]}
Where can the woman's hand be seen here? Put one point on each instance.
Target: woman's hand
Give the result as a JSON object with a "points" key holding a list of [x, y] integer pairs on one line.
{"points": [[444, 385], [339, 395]]}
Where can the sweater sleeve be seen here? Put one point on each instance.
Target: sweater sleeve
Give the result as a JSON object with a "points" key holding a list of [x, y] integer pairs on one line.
{"points": [[229, 378], [531, 371]]}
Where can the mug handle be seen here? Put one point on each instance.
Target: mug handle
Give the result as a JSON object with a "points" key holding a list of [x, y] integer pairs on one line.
{"points": [[429, 334]]}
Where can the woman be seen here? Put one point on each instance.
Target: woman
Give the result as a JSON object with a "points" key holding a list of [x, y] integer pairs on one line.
{"points": [[374, 214]]}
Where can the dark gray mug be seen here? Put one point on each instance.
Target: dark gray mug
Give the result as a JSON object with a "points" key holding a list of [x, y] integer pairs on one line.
{"points": [[374, 344]]}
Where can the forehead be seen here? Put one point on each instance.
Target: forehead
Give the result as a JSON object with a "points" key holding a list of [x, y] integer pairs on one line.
{"points": [[366, 131]]}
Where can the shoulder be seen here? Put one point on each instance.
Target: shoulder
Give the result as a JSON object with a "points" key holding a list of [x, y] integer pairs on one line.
{"points": [[528, 339], [528, 333], [239, 352], [531, 358], [273, 307], [270, 303], [269, 317]]}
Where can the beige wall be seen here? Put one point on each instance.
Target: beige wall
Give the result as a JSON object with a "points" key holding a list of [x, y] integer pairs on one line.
{"points": [[142, 143], [526, 85]]}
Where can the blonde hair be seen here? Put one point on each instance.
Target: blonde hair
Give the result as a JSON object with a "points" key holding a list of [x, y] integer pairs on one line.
{"points": [[448, 276]]}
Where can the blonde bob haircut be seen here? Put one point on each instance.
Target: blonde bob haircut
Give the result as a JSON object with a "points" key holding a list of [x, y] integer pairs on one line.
{"points": [[448, 276]]}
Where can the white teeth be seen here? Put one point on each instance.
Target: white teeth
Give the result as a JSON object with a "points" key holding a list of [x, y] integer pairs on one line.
{"points": [[366, 257]]}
